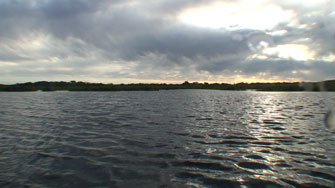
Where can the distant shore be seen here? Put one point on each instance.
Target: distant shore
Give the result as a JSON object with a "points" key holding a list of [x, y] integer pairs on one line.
{"points": [[328, 85]]}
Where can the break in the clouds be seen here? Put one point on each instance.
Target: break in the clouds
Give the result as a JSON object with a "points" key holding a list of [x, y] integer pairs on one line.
{"points": [[167, 40]]}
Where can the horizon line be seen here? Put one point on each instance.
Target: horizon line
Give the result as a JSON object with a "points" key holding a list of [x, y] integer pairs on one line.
{"points": [[171, 83]]}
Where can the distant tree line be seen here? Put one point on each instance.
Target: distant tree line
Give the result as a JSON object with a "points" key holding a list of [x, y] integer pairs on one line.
{"points": [[328, 85]]}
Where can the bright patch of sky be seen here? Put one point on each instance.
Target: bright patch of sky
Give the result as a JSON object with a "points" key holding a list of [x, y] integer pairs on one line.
{"points": [[291, 51], [246, 14]]}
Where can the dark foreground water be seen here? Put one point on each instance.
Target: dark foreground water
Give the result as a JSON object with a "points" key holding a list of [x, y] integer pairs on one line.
{"points": [[184, 138]]}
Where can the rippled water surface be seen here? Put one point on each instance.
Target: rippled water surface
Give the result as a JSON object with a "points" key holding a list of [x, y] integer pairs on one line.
{"points": [[182, 138]]}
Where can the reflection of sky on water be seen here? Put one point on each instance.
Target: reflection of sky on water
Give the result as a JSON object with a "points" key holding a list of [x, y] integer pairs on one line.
{"points": [[274, 133]]}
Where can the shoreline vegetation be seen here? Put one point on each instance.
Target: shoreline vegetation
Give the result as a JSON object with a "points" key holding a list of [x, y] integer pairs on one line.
{"points": [[328, 85]]}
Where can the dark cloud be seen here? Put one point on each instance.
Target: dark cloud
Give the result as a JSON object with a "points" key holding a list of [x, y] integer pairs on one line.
{"points": [[145, 40], [188, 42]]}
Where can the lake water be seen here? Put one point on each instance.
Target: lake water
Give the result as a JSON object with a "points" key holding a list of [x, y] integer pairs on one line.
{"points": [[179, 138]]}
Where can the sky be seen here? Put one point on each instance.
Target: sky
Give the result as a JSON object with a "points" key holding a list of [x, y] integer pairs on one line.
{"points": [[170, 41]]}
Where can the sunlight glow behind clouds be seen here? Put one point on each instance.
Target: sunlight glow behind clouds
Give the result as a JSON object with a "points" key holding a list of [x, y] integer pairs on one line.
{"points": [[288, 51], [237, 15]]}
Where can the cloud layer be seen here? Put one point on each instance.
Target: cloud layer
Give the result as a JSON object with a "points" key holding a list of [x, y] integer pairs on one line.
{"points": [[149, 41]]}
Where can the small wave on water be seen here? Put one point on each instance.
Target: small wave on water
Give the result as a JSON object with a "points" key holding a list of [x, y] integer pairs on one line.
{"points": [[193, 138]]}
